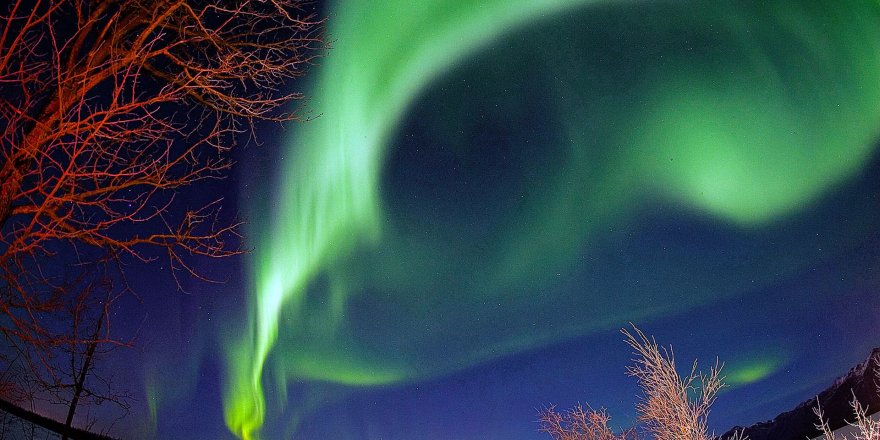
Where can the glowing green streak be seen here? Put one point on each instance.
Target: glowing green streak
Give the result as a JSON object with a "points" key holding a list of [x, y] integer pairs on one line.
{"points": [[383, 55], [752, 369], [751, 373], [712, 145]]}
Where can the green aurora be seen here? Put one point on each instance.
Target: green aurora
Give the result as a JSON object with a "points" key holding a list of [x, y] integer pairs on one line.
{"points": [[744, 114]]}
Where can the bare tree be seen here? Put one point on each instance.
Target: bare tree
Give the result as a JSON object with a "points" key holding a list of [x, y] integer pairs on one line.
{"points": [[66, 372], [667, 409], [581, 424], [81, 382], [108, 109]]}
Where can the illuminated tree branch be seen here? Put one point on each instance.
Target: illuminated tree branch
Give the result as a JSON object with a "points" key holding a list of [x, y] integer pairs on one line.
{"points": [[108, 108]]}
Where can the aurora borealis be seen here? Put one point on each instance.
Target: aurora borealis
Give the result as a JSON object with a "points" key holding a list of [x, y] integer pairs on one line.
{"points": [[487, 178], [741, 115]]}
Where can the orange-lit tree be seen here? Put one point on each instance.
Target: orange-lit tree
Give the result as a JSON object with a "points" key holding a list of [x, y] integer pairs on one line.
{"points": [[108, 109]]}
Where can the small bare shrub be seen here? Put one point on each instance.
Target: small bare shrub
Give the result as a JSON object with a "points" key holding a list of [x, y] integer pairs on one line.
{"points": [[580, 424]]}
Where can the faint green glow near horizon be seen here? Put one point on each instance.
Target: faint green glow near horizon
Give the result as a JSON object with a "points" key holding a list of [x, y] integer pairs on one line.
{"points": [[751, 371], [750, 368], [737, 149]]}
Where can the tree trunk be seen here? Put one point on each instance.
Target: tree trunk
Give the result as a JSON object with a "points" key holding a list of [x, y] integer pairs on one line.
{"points": [[83, 372]]}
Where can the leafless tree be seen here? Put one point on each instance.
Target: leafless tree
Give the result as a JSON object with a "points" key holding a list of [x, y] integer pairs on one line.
{"points": [[108, 109], [67, 374], [581, 424], [667, 409]]}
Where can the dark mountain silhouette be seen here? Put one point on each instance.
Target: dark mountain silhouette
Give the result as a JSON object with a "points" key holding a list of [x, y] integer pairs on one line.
{"points": [[799, 423]]}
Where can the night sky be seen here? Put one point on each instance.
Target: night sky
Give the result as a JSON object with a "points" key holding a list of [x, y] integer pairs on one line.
{"points": [[491, 189]]}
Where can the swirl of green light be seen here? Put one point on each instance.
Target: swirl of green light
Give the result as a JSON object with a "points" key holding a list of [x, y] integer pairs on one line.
{"points": [[743, 154], [383, 55]]}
